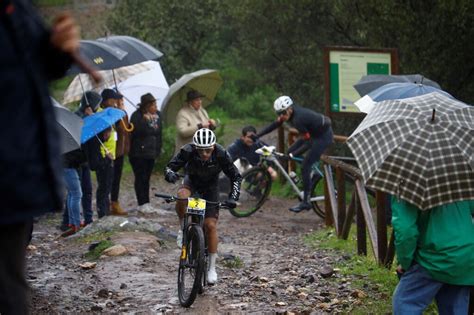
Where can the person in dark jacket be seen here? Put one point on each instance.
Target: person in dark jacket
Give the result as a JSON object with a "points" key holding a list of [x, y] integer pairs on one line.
{"points": [[145, 147], [203, 161], [245, 146], [101, 162], [315, 137], [31, 183]]}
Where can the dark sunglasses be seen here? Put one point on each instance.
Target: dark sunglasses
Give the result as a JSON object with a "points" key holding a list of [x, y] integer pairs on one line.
{"points": [[204, 150], [282, 112]]}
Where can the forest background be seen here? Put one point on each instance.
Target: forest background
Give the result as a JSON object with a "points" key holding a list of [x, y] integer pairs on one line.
{"points": [[267, 48]]}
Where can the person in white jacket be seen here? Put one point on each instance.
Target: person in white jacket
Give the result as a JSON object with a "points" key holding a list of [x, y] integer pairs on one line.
{"points": [[190, 119]]}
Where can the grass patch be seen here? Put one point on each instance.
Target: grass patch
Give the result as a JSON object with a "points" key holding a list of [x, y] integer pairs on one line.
{"points": [[378, 282], [95, 253], [94, 237], [235, 263]]}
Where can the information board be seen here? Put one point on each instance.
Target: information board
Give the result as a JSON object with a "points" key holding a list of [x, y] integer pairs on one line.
{"points": [[345, 66]]}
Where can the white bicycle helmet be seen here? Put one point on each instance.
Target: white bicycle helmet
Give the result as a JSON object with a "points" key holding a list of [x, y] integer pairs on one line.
{"points": [[204, 138], [282, 103]]}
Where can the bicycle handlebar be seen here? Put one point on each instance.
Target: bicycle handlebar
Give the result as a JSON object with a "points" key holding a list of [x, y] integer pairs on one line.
{"points": [[170, 198]]}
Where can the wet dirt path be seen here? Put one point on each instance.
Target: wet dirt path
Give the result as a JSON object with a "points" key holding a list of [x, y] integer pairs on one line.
{"points": [[276, 272]]}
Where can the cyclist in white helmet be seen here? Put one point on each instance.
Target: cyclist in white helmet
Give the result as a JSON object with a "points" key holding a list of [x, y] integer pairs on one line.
{"points": [[315, 134], [202, 161]]}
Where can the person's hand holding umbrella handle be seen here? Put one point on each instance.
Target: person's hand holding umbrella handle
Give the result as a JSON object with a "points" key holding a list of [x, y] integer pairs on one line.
{"points": [[65, 37]]}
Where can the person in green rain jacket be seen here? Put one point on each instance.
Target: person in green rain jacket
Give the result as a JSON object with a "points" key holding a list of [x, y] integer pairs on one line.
{"points": [[435, 251]]}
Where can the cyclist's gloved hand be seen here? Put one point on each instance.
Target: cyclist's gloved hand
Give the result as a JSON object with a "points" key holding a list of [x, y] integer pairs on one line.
{"points": [[230, 203], [171, 176], [253, 137]]}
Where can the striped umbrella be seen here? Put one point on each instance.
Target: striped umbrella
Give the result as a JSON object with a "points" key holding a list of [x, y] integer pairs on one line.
{"points": [[83, 82], [420, 149]]}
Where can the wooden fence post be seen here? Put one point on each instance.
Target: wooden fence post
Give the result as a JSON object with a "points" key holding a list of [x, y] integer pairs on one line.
{"points": [[341, 200], [328, 219], [361, 233], [380, 199]]}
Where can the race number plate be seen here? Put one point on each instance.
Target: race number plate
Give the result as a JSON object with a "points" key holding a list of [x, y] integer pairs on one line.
{"points": [[196, 206]]}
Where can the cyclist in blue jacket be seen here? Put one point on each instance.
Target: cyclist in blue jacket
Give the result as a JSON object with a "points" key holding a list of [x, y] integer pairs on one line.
{"points": [[315, 137]]}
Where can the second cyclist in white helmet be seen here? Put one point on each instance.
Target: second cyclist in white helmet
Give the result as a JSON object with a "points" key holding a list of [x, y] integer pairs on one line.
{"points": [[315, 136], [203, 160]]}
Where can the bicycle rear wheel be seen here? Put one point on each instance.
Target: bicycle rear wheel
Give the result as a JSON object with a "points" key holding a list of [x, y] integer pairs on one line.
{"points": [[255, 188], [191, 266]]}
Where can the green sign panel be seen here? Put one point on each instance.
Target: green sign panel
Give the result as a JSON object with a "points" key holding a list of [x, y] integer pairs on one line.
{"points": [[346, 68]]}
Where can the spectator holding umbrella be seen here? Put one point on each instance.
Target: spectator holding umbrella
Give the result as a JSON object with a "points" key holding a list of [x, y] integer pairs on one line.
{"points": [[145, 147], [108, 150], [122, 148], [89, 104], [435, 250], [190, 118], [96, 131]]}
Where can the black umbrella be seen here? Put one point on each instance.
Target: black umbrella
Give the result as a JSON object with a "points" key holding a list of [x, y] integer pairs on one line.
{"points": [[371, 82], [100, 55], [69, 126], [138, 51]]}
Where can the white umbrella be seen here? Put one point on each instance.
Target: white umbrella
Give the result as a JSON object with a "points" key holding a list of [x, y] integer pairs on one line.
{"points": [[152, 81]]}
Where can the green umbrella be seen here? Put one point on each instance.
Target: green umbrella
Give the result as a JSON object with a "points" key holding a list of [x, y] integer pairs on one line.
{"points": [[207, 82]]}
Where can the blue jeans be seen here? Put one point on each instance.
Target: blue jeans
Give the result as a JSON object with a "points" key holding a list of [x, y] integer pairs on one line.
{"points": [[417, 290], [74, 195]]}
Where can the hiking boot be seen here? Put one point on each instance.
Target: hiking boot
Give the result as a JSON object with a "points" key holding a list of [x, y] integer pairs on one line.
{"points": [[179, 238], [72, 230], [64, 227], [116, 209], [212, 276], [301, 206]]}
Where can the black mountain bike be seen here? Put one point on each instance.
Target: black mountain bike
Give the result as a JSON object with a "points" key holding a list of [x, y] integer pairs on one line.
{"points": [[194, 259], [257, 183]]}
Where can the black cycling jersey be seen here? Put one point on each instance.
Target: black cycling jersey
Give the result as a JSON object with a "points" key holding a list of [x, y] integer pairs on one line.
{"points": [[304, 120], [310, 124], [206, 173]]}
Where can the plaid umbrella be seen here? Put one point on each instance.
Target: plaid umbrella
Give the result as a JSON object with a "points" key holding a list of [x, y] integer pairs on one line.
{"points": [[420, 149], [83, 82]]}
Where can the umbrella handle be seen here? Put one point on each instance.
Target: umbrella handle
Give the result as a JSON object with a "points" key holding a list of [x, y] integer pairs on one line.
{"points": [[132, 126], [86, 67]]}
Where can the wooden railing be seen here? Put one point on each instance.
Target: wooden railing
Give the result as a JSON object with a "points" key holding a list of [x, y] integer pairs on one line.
{"points": [[340, 213]]}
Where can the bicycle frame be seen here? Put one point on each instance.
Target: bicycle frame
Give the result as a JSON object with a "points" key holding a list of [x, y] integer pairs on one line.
{"points": [[268, 154]]}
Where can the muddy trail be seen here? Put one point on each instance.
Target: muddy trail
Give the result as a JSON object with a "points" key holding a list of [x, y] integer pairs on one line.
{"points": [[263, 264]]}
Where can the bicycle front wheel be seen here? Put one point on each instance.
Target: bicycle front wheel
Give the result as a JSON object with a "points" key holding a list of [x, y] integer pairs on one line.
{"points": [[255, 188], [191, 266]]}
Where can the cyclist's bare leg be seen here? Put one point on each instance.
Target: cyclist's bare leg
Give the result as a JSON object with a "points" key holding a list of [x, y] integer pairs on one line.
{"points": [[210, 224], [183, 192], [273, 173]]}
